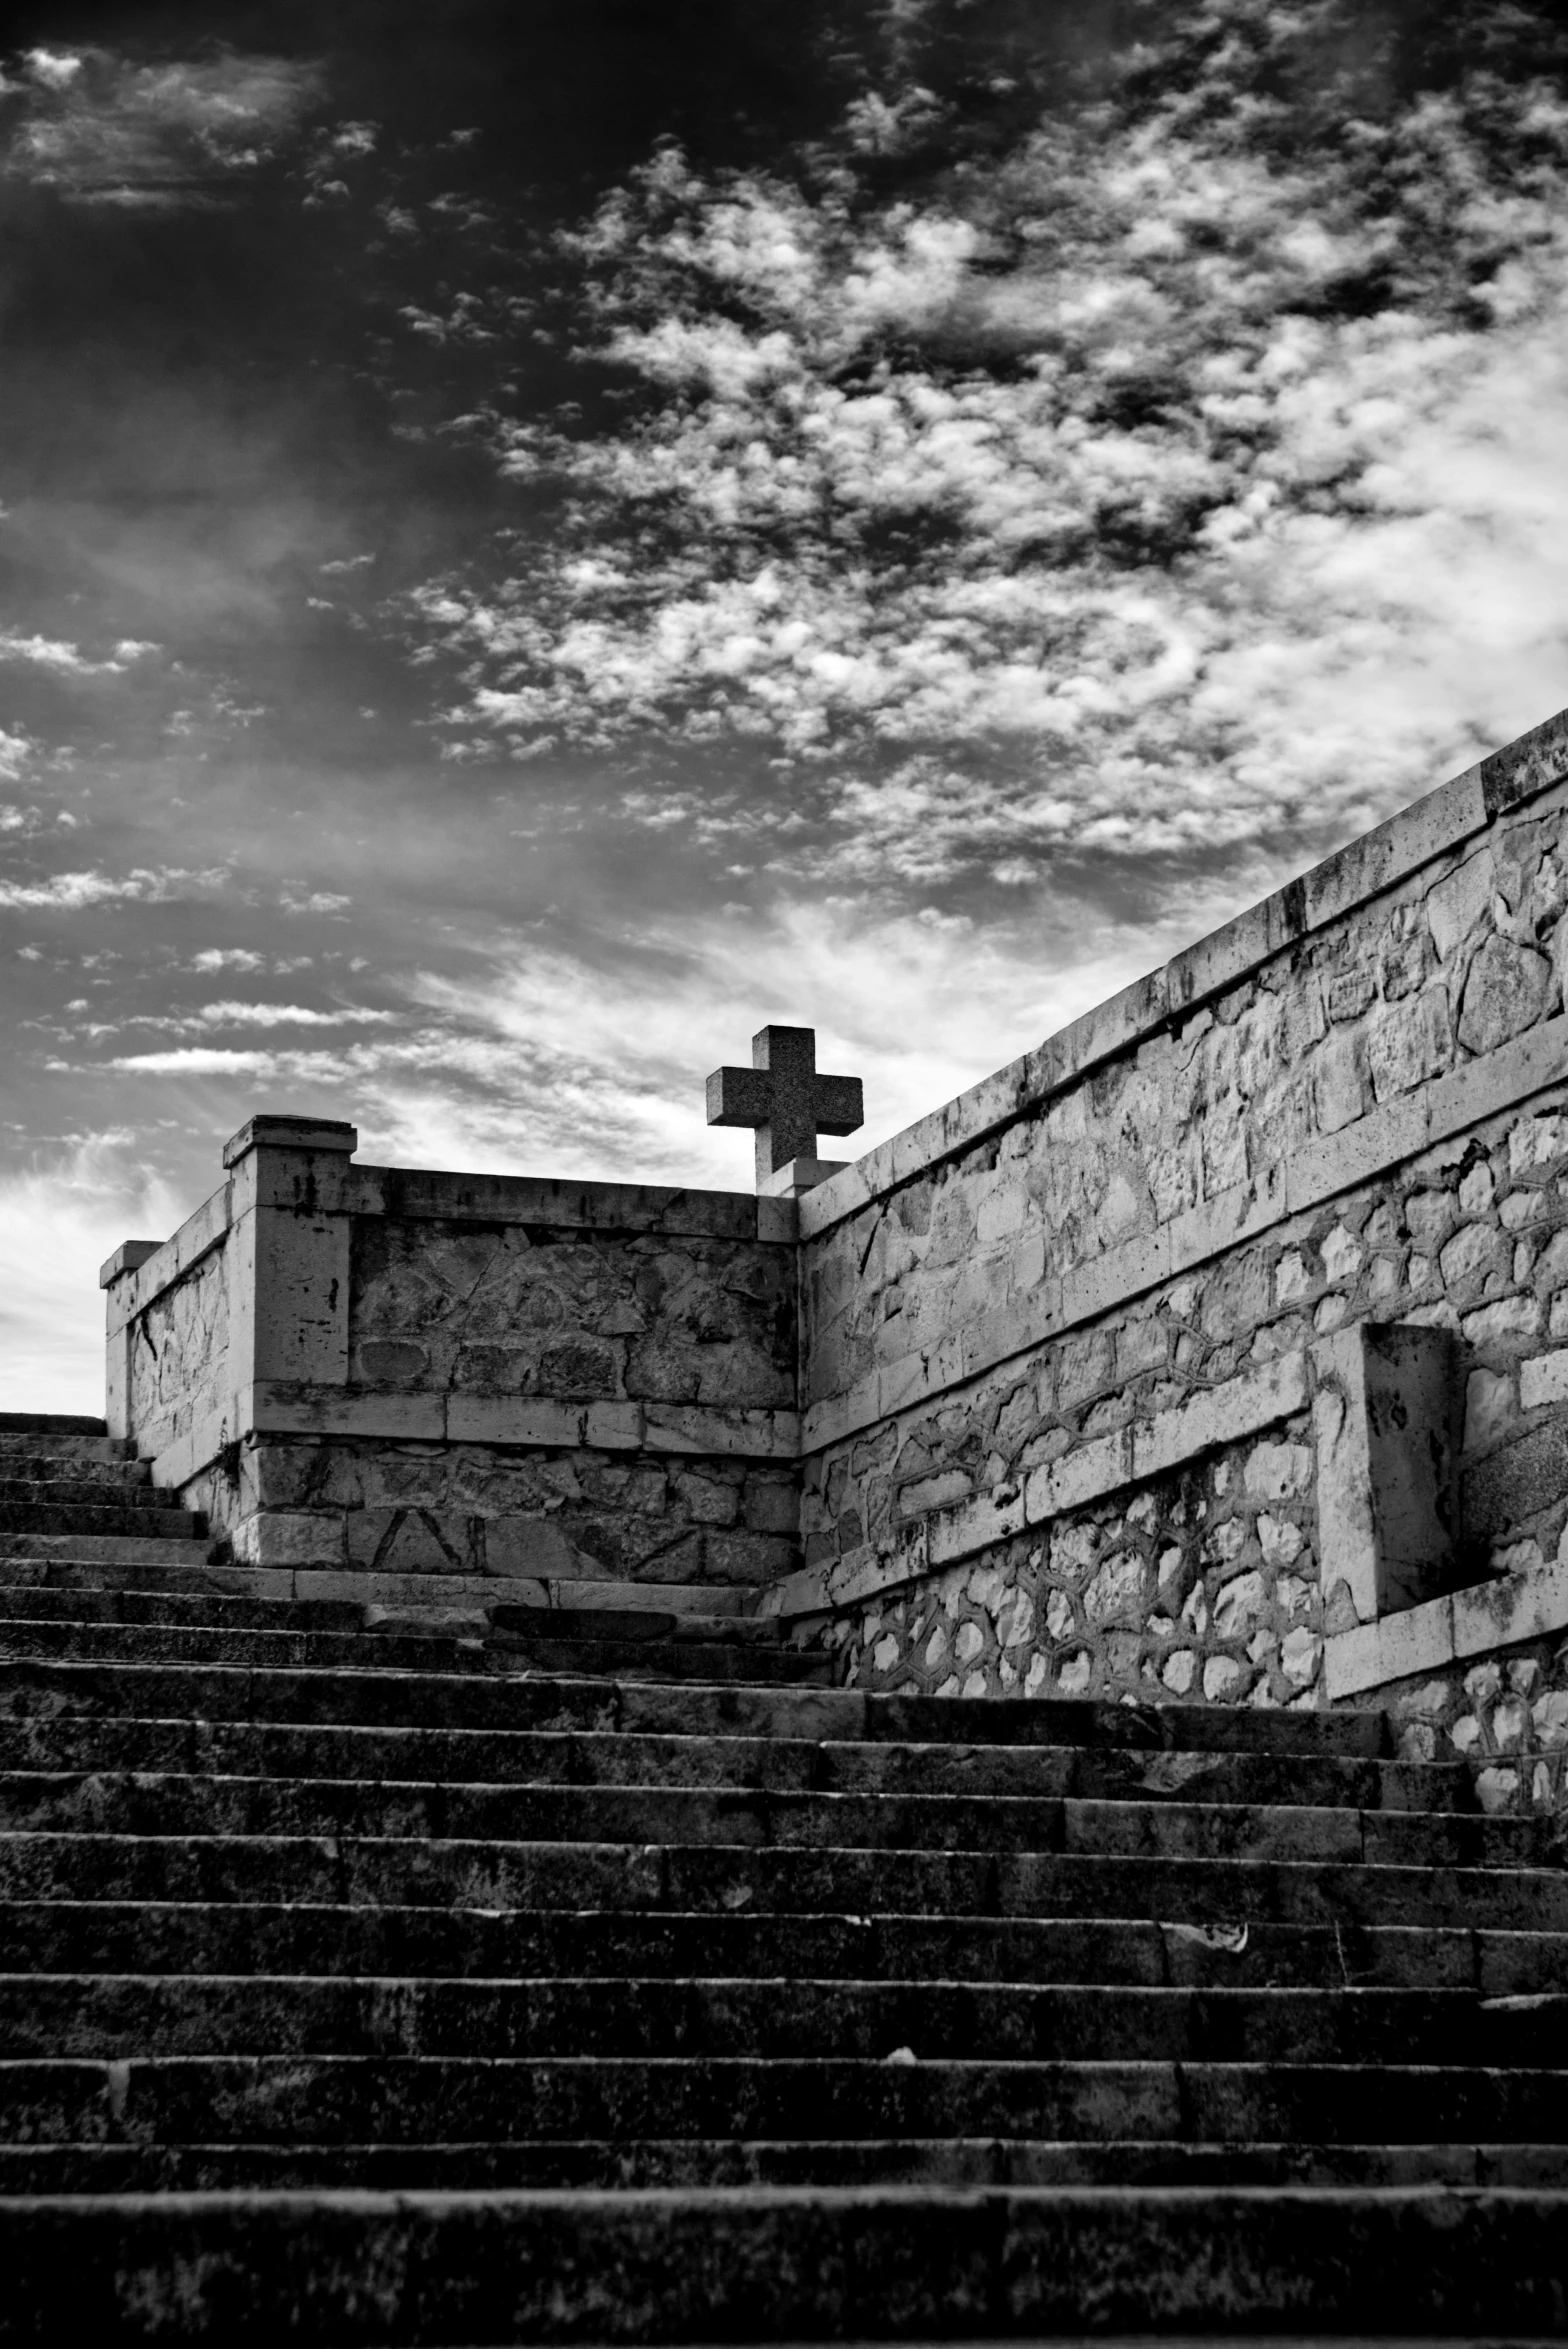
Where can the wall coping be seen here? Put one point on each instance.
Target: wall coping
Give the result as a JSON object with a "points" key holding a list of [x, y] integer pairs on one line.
{"points": [[1365, 868], [1475, 1621]]}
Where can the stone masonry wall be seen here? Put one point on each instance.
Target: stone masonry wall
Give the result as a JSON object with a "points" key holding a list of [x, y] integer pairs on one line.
{"points": [[559, 1514], [179, 1349], [580, 1316], [1128, 1240], [1201, 1584], [561, 1383]]}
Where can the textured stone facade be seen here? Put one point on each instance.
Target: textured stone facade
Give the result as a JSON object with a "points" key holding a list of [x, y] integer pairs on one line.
{"points": [[1203, 1584]]}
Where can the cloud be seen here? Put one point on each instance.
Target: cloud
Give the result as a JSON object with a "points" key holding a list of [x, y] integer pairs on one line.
{"points": [[1175, 482], [48, 652], [99, 128], [60, 1218], [294, 900], [233, 1014], [73, 892]]}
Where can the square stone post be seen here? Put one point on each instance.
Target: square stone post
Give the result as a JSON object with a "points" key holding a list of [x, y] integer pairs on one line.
{"points": [[290, 1232]]}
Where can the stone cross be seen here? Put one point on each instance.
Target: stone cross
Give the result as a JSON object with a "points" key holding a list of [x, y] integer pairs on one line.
{"points": [[789, 1103]]}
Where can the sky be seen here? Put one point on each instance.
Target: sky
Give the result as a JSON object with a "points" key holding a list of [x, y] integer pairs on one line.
{"points": [[534, 541]]}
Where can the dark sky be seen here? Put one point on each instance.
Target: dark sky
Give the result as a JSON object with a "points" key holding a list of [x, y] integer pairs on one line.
{"points": [[536, 539]]}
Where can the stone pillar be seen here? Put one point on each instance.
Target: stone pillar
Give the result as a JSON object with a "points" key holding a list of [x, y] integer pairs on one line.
{"points": [[120, 1328], [290, 1226]]}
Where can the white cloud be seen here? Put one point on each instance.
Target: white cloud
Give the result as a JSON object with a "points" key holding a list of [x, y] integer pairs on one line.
{"points": [[103, 129], [228, 958], [49, 652], [59, 1220], [295, 900], [234, 1014], [1076, 506], [73, 892]]}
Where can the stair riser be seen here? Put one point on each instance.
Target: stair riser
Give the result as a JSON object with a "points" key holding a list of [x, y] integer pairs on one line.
{"points": [[104, 1518], [97, 2016], [503, 1652], [222, 1611], [446, 1700], [124, 1484], [613, 2269], [536, 1758], [155, 1804], [163, 1939], [861, 1883], [294, 2099], [698, 2163]]}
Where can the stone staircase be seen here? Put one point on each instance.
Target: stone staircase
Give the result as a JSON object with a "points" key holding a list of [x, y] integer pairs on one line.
{"points": [[618, 1985]]}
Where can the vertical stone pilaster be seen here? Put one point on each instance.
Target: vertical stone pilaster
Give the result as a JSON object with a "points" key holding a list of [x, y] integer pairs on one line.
{"points": [[117, 1282], [290, 1241], [1385, 1420]]}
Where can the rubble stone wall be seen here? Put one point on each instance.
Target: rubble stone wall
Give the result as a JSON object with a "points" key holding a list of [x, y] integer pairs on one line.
{"points": [[1349, 1106]]}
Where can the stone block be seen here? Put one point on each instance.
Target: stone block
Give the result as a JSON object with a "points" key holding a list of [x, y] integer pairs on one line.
{"points": [[1505, 992], [1544, 1379], [1420, 1639], [1385, 1419]]}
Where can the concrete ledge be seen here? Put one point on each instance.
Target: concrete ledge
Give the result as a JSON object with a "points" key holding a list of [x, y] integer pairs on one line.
{"points": [[1128, 1455], [1449, 1630], [1389, 1135], [1416, 836]]}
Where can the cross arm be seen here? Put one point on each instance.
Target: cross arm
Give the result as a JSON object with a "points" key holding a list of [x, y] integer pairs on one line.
{"points": [[739, 1097], [840, 1105]]}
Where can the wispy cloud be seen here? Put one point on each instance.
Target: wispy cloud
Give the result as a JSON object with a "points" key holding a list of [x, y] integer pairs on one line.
{"points": [[60, 1217], [102, 128], [76, 892]]}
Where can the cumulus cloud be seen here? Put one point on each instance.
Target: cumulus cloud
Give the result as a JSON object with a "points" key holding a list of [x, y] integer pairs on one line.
{"points": [[1173, 482], [100, 128], [50, 652]]}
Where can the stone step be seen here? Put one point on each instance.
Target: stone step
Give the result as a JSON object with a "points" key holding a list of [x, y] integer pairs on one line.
{"points": [[503, 1650], [438, 1699], [79, 1452], [65, 1476], [410, 2099], [70, 1497], [391, 1593], [186, 1804], [167, 1937], [627, 1758], [505, 2268], [771, 2018], [687, 2163], [53, 1423], [31, 1602], [416, 1872], [108, 1549], [131, 1517]]}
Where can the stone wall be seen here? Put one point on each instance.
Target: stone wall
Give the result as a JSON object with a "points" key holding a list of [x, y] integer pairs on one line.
{"points": [[562, 1384], [1346, 1108]]}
